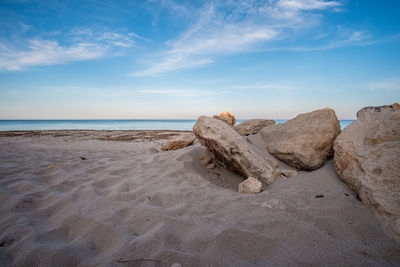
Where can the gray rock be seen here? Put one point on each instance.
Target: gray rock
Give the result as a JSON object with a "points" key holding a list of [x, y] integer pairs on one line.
{"points": [[367, 158], [232, 151], [304, 142], [252, 126]]}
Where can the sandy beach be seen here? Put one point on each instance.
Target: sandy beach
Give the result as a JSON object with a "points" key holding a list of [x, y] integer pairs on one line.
{"points": [[91, 198]]}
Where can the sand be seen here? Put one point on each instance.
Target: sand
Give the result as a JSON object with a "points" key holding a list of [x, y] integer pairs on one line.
{"points": [[90, 198]]}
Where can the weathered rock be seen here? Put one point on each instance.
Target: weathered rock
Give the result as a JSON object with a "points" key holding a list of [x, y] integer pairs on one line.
{"points": [[252, 126], [232, 151], [367, 158], [178, 142], [226, 117], [250, 186], [304, 142]]}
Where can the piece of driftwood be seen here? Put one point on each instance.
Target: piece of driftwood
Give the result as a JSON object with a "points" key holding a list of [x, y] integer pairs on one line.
{"points": [[138, 259]]}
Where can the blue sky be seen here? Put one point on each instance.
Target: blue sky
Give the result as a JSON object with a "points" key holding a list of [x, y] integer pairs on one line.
{"points": [[180, 59]]}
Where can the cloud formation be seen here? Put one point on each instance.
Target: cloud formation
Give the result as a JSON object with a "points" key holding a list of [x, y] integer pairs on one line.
{"points": [[226, 27], [84, 45]]}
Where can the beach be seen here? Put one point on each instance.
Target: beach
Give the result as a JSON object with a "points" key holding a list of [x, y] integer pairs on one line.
{"points": [[92, 198]]}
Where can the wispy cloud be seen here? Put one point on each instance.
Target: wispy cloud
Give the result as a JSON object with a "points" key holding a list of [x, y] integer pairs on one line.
{"points": [[84, 45], [266, 86], [386, 85], [182, 92], [350, 38], [226, 27], [127, 91], [307, 4], [44, 52]]}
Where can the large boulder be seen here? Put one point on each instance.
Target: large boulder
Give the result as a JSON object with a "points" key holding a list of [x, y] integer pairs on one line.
{"points": [[226, 117], [178, 142], [367, 158], [252, 126], [232, 151], [304, 142]]}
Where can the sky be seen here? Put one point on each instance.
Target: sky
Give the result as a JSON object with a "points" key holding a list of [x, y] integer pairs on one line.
{"points": [[166, 59]]}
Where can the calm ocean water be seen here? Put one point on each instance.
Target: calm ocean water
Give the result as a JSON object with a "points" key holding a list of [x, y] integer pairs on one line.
{"points": [[15, 125]]}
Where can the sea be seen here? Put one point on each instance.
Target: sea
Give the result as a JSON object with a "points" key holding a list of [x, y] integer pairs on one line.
{"points": [[24, 125]]}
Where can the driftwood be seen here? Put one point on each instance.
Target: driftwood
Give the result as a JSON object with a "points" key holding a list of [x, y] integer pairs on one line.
{"points": [[138, 259]]}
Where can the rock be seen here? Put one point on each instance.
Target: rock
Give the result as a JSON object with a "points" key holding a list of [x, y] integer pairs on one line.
{"points": [[232, 151], [178, 142], [210, 166], [226, 117], [205, 161], [367, 158], [250, 186], [149, 150], [252, 126], [272, 204], [304, 142], [289, 173]]}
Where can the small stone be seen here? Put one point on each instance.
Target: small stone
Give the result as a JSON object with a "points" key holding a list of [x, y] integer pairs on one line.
{"points": [[210, 166], [150, 150], [271, 204], [250, 186], [319, 196], [226, 117], [205, 161]]}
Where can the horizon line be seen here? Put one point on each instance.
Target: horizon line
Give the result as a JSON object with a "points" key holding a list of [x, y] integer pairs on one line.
{"points": [[143, 119]]}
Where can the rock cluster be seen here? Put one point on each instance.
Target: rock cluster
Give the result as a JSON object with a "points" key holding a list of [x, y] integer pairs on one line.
{"points": [[304, 142], [226, 117], [367, 158], [252, 126], [232, 151], [366, 154]]}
